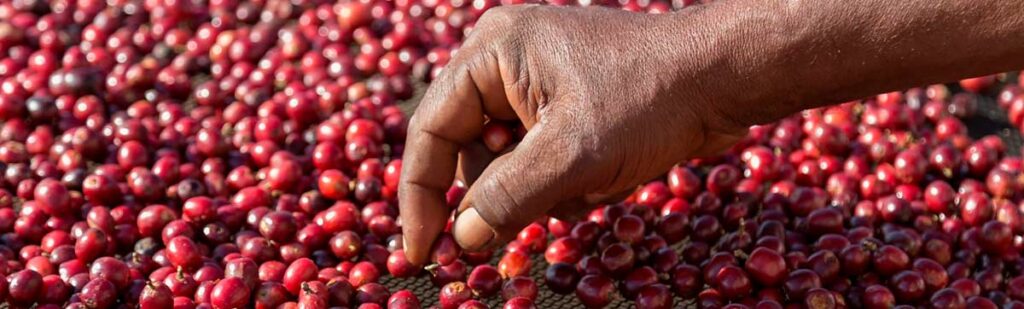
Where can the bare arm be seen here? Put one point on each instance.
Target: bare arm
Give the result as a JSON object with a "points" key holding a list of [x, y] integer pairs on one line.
{"points": [[790, 55]]}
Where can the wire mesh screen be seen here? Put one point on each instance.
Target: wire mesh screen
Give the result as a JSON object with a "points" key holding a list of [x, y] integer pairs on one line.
{"points": [[428, 293]]}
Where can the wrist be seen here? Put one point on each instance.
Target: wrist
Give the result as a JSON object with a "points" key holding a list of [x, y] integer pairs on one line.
{"points": [[737, 58], [705, 53]]}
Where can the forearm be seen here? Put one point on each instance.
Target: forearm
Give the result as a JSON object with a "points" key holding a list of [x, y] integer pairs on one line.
{"points": [[783, 56]]}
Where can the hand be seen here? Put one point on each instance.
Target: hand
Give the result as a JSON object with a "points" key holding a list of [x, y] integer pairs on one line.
{"points": [[607, 102]]}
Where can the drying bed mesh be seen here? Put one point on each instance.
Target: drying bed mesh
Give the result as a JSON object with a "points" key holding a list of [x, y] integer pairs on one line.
{"points": [[428, 293]]}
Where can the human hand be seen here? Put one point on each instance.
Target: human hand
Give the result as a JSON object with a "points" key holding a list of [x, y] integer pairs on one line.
{"points": [[609, 101]]}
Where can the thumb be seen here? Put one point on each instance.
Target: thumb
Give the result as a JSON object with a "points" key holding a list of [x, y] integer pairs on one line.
{"points": [[514, 190]]}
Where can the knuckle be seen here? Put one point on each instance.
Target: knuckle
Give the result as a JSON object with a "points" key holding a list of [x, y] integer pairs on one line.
{"points": [[506, 24], [571, 164], [503, 15], [589, 153], [415, 121], [496, 204]]}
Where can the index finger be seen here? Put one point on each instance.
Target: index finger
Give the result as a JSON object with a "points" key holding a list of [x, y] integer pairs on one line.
{"points": [[450, 115]]}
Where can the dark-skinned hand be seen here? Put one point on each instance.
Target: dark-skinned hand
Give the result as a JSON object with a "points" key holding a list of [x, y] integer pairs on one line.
{"points": [[601, 117], [611, 98]]}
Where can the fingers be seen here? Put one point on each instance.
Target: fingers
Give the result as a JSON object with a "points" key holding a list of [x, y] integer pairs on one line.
{"points": [[474, 158], [492, 89], [451, 115], [429, 164], [513, 191]]}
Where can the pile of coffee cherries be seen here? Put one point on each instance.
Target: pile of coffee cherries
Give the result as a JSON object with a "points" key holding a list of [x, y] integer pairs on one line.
{"points": [[879, 203], [246, 154], [884, 202]]}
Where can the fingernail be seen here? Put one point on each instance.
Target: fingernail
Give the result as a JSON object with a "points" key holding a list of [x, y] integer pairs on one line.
{"points": [[409, 254], [405, 243], [471, 231]]}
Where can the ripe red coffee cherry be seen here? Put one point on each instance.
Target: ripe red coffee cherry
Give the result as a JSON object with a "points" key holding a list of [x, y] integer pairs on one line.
{"points": [[888, 260], [760, 163], [935, 276], [947, 298], [565, 249], [673, 227], [473, 304], [967, 287], [333, 184], [820, 298], [587, 232], [683, 182], [153, 218], [561, 278], [534, 236], [156, 295], [112, 270], [445, 250], [629, 229], [877, 296], [24, 286], [654, 296], [243, 268], [484, 280], [363, 273], [908, 286], [799, 282], [53, 197], [766, 266], [299, 271], [55, 290], [454, 294], [686, 280], [996, 237], [91, 244], [183, 252], [180, 283], [514, 264], [198, 210], [346, 245], [826, 264], [595, 291], [343, 216], [723, 179], [403, 299], [497, 136], [654, 195], [519, 287], [637, 279], [278, 226], [399, 266], [230, 292], [732, 282], [975, 209], [939, 196], [455, 271], [519, 303], [100, 190], [825, 220], [618, 259], [98, 293]]}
